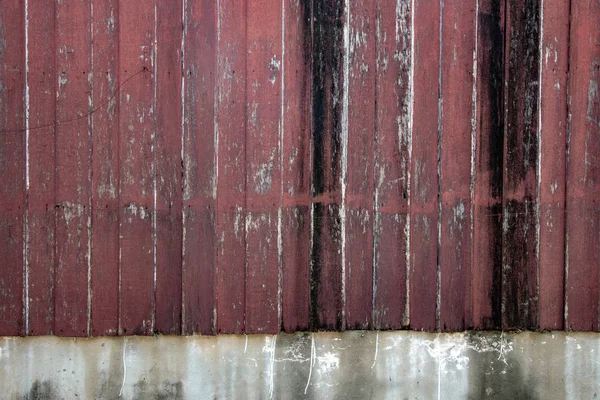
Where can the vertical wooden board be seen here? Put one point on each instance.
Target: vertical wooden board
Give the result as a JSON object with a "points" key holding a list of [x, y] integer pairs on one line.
{"points": [[424, 171], [168, 168], [199, 166], [231, 167], [12, 162], [136, 179], [392, 160], [73, 218], [520, 206], [359, 189], [583, 171], [553, 129], [326, 276], [105, 165], [295, 220], [263, 169], [41, 199], [458, 49], [489, 150]]}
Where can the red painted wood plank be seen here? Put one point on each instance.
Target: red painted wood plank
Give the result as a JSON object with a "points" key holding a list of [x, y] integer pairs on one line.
{"points": [[136, 122], [42, 185], [392, 162], [583, 171], [487, 187], [458, 49], [360, 185], [73, 146], [168, 168], [105, 165], [231, 169], [263, 169], [326, 286], [295, 223], [519, 241], [12, 162], [424, 174], [553, 128], [199, 179]]}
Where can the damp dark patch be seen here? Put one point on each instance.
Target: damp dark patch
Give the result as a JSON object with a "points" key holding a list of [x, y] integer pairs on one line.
{"points": [[493, 377], [326, 113], [522, 91], [520, 280], [492, 59], [41, 390], [165, 390]]}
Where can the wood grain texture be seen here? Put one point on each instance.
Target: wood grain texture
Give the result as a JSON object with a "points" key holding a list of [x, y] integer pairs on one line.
{"points": [[232, 164], [360, 177], [457, 126], [105, 165], [326, 290], [73, 168], [392, 160], [296, 173], [263, 169], [424, 169], [553, 134], [489, 148], [136, 161], [12, 162], [583, 171], [168, 163], [199, 167], [42, 166], [520, 206]]}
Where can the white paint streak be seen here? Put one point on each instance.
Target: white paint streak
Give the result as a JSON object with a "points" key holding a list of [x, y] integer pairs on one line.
{"points": [[344, 140], [539, 150], [216, 142], [411, 80], [313, 353], [26, 217], [124, 366], [155, 162], [90, 170], [272, 366], [184, 7], [281, 169], [376, 350], [439, 170], [246, 344], [474, 142]]}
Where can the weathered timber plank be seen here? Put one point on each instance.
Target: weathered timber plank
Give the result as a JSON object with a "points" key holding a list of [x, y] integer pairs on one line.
{"points": [[168, 166], [583, 170], [231, 186], [199, 167], [489, 149], [296, 173], [12, 163], [457, 128], [520, 206], [73, 168], [41, 202], [424, 170], [553, 132], [136, 130], [360, 177]]}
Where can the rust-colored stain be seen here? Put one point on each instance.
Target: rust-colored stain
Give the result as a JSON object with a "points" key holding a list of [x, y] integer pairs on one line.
{"points": [[252, 166]]}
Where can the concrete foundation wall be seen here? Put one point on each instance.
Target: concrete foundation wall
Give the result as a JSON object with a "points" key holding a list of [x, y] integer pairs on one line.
{"points": [[350, 365]]}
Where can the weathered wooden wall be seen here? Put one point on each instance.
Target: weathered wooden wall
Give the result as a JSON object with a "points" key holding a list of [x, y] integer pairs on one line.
{"points": [[229, 166]]}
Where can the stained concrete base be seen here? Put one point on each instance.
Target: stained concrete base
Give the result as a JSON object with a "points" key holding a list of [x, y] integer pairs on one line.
{"points": [[351, 365]]}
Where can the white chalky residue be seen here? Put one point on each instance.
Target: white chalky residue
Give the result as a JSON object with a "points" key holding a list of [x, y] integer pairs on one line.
{"points": [[26, 217], [313, 353]]}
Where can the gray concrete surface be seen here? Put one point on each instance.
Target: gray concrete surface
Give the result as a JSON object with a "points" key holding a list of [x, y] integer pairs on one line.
{"points": [[350, 365]]}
